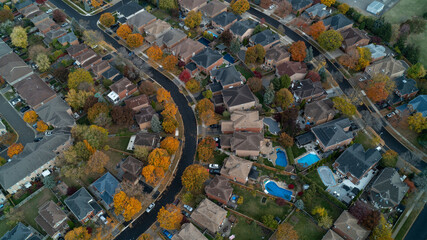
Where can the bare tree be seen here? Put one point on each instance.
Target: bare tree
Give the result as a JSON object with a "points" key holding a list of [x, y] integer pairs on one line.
{"points": [[371, 120]]}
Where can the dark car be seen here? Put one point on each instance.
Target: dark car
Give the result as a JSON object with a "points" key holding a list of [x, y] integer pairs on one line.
{"points": [[176, 202], [185, 213], [215, 171], [38, 139], [24, 109]]}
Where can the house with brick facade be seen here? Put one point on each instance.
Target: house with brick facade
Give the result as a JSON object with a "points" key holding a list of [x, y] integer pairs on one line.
{"points": [[317, 11], [170, 39], [405, 87], [387, 189], [132, 169], [295, 70], [224, 20], [347, 227], [207, 60], [52, 219], [298, 6], [236, 169], [277, 55], [266, 38], [333, 134], [144, 116], [209, 216], [139, 20], [389, 66], [243, 144], [121, 89], [219, 189], [307, 90], [137, 103], [243, 29], [338, 22], [319, 112], [213, 8], [243, 121], [187, 49], [353, 38], [192, 5], [226, 77], [238, 98], [83, 206]]}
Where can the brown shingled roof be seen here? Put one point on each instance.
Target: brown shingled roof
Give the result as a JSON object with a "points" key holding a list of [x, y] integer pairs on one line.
{"points": [[132, 166], [290, 68], [220, 187], [137, 101]]}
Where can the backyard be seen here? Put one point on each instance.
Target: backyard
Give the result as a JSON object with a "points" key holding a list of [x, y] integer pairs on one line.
{"points": [[244, 230], [314, 176], [322, 201], [306, 228]]}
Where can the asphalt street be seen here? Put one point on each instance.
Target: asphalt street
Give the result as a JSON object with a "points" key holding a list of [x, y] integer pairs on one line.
{"points": [[418, 229], [25, 133]]}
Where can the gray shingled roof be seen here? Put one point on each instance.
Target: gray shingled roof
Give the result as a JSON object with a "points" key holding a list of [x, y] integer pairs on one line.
{"points": [[129, 8], [338, 21], [4, 49], [206, 57], [225, 18], [55, 113], [106, 186], [265, 37], [227, 75], [13, 68], [332, 132], [68, 38], [23, 4], [318, 10], [237, 96], [388, 190], [299, 4], [419, 104], [19, 232], [140, 19], [405, 85], [147, 139], [306, 88], [81, 203], [241, 27], [171, 37]]}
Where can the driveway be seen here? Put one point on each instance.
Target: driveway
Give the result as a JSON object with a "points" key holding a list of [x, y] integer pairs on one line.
{"points": [[25, 133]]}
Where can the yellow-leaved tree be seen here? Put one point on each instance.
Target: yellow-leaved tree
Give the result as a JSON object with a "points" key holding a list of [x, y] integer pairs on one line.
{"points": [[171, 144], [170, 217], [193, 19], [19, 37], [159, 158], [239, 6], [30, 117], [194, 177], [41, 126]]}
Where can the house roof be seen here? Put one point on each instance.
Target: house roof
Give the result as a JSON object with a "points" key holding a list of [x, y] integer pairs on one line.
{"points": [[238, 96], [29, 10], [49, 215], [68, 38], [191, 66], [405, 85], [35, 155], [299, 4], [137, 101], [353, 35], [306, 88], [388, 189], [305, 138], [209, 215], [291, 68], [34, 90], [187, 48], [388, 66], [337, 22], [242, 120], [39, 18], [81, 203], [129, 8], [140, 18], [100, 66], [331, 235], [75, 49], [56, 33], [225, 18], [147, 139], [12, 68], [206, 58], [145, 115], [4, 49], [375, 7], [19, 232], [189, 231], [236, 167], [332, 132], [265, 37], [277, 53], [132, 166], [319, 110], [213, 8], [227, 75], [241, 27], [318, 10], [377, 51], [23, 4], [106, 185], [356, 160], [191, 4], [85, 56], [347, 224], [171, 37], [220, 188], [157, 27], [110, 73], [56, 113], [419, 104], [123, 84]]}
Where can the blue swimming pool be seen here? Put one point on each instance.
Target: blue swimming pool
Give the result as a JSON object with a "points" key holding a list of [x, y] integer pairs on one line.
{"points": [[229, 58], [277, 191], [204, 41], [308, 160], [213, 34], [281, 158]]}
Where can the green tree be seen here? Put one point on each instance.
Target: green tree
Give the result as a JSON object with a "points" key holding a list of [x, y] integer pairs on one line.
{"points": [[382, 231], [19, 37], [235, 46], [96, 136], [344, 105], [283, 81], [416, 71], [330, 40], [168, 4], [417, 122], [193, 19], [79, 76], [49, 182], [42, 60], [269, 95], [309, 55], [284, 98], [269, 221], [156, 126], [389, 158]]}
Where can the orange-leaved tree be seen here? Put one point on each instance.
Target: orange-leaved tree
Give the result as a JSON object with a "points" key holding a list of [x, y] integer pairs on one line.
{"points": [[97, 162], [132, 207], [30, 117], [205, 149], [379, 87], [80, 233], [297, 51], [152, 174], [169, 125], [286, 140], [204, 105], [171, 144], [194, 177], [286, 231], [15, 149], [209, 117], [123, 31], [41, 126], [134, 40], [163, 95], [155, 53], [120, 201], [159, 158], [107, 19], [170, 217], [239, 6], [96, 3], [170, 110], [170, 62], [316, 29]]}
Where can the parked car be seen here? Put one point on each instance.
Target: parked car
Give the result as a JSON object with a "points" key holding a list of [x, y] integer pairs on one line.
{"points": [[185, 213], [150, 207], [15, 101], [48, 133], [214, 166], [167, 234], [38, 139], [104, 220], [24, 109], [49, 11], [64, 24], [215, 171], [190, 209]]}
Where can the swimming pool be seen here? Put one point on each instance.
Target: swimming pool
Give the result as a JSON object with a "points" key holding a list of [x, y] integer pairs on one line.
{"points": [[229, 58], [204, 41], [213, 34], [281, 158], [308, 159], [273, 189]]}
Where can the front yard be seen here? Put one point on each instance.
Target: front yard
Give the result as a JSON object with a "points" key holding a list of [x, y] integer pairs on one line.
{"points": [[249, 230], [307, 229]]}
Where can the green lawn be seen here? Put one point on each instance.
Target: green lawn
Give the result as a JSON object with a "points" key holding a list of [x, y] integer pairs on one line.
{"points": [[419, 40], [319, 200], [9, 95], [244, 230], [119, 143], [160, 14], [4, 227], [245, 72], [314, 176], [364, 139], [298, 151], [253, 207], [305, 227], [219, 157]]}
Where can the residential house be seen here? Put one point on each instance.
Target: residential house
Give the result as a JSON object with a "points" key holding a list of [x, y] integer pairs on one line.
{"points": [[155, 30], [387, 66], [318, 11], [224, 20], [346, 226], [354, 163], [375, 7], [76, 50], [149, 140], [129, 9], [295, 70], [236, 169], [143, 118], [238, 98], [69, 38], [105, 188], [333, 134], [192, 5], [209, 216], [377, 52], [307, 90], [331, 235], [30, 163], [20, 231], [388, 189], [3, 130], [243, 144], [213, 8], [99, 68], [187, 49], [30, 11], [34, 91], [46, 26], [39, 18], [56, 113], [23, 5], [52, 219], [4, 49], [13, 69], [111, 73], [338, 22], [266, 38], [405, 87], [121, 89], [277, 55], [140, 20], [170, 39], [189, 231], [219, 189], [227, 77], [137, 103], [132, 169], [207, 60], [87, 58], [83, 206], [419, 104], [192, 67], [243, 121], [353, 38], [54, 34], [319, 112], [243, 29], [298, 6]]}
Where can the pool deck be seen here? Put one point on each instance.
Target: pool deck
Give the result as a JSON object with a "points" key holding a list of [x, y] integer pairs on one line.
{"points": [[272, 154]]}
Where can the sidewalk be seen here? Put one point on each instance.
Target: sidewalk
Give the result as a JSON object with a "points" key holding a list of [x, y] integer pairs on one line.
{"points": [[403, 221]]}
